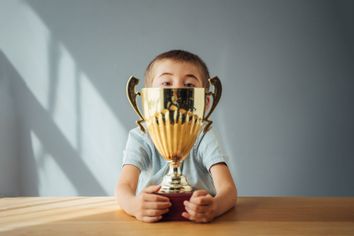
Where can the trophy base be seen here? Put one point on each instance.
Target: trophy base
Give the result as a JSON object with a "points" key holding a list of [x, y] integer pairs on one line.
{"points": [[177, 208]]}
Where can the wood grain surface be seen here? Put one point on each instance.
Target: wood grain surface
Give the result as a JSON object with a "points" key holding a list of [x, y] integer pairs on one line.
{"points": [[102, 216]]}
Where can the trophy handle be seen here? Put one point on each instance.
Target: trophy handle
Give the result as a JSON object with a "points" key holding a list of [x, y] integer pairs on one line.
{"points": [[215, 81], [131, 94]]}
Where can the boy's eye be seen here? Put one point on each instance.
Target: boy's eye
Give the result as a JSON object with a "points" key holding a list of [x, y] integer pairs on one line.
{"points": [[190, 85], [166, 83]]}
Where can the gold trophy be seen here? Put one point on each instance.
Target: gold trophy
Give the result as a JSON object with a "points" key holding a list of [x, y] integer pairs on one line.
{"points": [[174, 117]]}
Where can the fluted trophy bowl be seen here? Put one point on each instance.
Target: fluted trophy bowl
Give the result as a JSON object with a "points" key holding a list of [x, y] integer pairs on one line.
{"points": [[174, 118]]}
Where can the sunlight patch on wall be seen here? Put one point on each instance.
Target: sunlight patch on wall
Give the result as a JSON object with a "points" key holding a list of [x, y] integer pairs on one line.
{"points": [[102, 136], [51, 179], [62, 96]]}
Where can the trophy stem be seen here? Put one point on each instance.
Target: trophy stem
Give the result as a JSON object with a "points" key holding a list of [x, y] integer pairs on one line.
{"points": [[175, 168], [174, 181]]}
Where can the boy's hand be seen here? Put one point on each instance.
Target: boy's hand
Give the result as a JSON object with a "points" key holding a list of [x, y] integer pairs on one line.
{"points": [[149, 207], [201, 207]]}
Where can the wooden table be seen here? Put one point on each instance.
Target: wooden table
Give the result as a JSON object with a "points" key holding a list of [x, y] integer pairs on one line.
{"points": [[102, 216]]}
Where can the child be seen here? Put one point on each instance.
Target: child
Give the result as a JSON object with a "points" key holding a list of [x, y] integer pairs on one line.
{"points": [[205, 167]]}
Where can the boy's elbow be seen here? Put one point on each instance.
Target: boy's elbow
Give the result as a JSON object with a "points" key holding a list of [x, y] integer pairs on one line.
{"points": [[116, 192], [119, 192], [234, 195], [229, 193]]}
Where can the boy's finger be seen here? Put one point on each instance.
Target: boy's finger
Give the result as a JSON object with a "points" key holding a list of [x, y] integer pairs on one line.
{"points": [[152, 189], [151, 219], [186, 215], [154, 212], [151, 197], [202, 200], [196, 208], [197, 217], [157, 205], [199, 193]]}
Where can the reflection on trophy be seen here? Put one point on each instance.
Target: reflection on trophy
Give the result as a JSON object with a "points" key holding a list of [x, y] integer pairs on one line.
{"points": [[174, 117]]}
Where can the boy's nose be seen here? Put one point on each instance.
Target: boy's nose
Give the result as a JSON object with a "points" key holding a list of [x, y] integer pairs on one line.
{"points": [[179, 83]]}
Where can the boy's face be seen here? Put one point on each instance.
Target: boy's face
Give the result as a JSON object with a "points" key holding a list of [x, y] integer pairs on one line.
{"points": [[168, 73]]}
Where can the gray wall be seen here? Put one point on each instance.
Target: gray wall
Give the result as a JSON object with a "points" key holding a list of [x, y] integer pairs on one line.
{"points": [[9, 163], [285, 118]]}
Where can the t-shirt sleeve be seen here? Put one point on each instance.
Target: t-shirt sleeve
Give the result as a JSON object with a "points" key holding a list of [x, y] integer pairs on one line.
{"points": [[136, 151], [210, 151]]}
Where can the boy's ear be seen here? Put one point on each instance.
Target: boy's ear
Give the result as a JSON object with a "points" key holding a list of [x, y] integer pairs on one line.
{"points": [[207, 102]]}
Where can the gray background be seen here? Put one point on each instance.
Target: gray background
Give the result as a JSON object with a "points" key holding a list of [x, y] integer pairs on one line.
{"points": [[285, 118]]}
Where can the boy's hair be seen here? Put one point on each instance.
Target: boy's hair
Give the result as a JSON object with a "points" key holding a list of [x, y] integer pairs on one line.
{"points": [[179, 56]]}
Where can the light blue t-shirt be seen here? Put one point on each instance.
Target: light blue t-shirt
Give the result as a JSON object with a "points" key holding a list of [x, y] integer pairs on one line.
{"points": [[141, 152]]}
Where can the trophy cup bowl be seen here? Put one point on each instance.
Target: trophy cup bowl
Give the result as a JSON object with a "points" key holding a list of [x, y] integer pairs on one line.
{"points": [[174, 118]]}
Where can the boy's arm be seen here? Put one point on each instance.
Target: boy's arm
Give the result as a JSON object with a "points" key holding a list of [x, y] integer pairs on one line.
{"points": [[202, 207], [226, 192], [146, 206], [126, 188]]}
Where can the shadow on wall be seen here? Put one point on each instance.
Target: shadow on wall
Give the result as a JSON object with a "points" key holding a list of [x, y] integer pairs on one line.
{"points": [[98, 46], [28, 109]]}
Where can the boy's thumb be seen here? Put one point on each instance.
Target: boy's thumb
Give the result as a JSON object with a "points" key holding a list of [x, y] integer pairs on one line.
{"points": [[152, 189], [199, 193]]}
